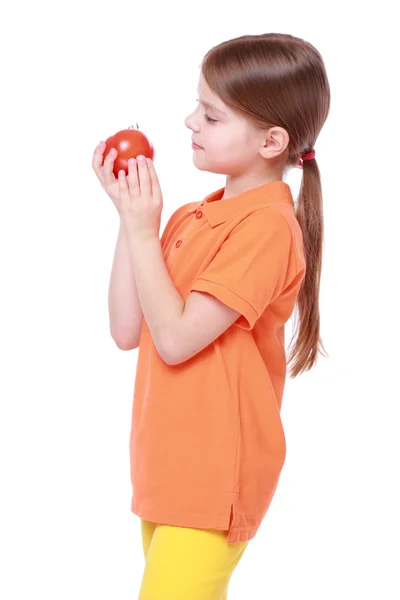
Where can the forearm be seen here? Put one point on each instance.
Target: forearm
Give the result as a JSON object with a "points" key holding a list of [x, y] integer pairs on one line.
{"points": [[125, 312], [161, 302]]}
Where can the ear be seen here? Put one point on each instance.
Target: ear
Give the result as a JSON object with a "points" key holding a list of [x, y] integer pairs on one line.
{"points": [[276, 140]]}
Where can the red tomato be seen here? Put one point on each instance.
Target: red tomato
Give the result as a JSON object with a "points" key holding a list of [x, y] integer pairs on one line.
{"points": [[129, 143]]}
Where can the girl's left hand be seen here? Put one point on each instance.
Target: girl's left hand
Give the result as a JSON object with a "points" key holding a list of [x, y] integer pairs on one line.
{"points": [[141, 199]]}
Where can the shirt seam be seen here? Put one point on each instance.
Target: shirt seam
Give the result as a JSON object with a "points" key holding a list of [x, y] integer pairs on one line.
{"points": [[239, 357], [292, 236]]}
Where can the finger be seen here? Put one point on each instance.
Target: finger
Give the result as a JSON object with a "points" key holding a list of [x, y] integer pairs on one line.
{"points": [[155, 184], [97, 161], [144, 177], [108, 175], [123, 186], [133, 177]]}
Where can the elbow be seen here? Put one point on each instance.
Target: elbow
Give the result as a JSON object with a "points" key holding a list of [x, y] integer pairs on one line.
{"points": [[169, 355], [172, 362], [168, 358], [174, 355], [125, 344]]}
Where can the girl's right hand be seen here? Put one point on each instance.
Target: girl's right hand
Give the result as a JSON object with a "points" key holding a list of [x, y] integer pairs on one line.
{"points": [[105, 173]]}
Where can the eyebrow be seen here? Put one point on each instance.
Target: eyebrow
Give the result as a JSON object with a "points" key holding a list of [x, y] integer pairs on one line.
{"points": [[212, 106]]}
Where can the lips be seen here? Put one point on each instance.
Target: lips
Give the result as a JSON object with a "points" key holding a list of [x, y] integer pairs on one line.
{"points": [[196, 144]]}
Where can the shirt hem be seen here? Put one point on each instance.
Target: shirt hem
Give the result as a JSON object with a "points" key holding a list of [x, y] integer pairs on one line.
{"points": [[227, 296], [224, 522]]}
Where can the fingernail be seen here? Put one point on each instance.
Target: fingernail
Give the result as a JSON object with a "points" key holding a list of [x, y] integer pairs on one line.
{"points": [[140, 157]]}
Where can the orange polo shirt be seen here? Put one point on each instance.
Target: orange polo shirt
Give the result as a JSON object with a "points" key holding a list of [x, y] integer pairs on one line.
{"points": [[207, 444]]}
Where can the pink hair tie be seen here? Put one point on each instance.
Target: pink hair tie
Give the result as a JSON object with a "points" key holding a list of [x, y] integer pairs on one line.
{"points": [[308, 156], [304, 157]]}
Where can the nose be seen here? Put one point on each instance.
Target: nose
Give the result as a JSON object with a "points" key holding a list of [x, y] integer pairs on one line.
{"points": [[190, 122]]}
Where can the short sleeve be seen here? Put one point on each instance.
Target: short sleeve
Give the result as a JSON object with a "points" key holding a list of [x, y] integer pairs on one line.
{"points": [[249, 271]]}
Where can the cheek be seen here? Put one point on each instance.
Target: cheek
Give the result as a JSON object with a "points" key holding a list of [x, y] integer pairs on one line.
{"points": [[219, 154], [216, 143], [225, 150]]}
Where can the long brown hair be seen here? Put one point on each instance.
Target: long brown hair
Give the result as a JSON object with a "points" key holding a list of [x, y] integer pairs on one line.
{"points": [[276, 79]]}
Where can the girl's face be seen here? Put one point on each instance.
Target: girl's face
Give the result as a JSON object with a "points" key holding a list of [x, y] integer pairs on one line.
{"points": [[229, 145]]}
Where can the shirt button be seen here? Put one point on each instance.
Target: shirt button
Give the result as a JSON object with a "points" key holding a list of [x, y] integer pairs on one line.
{"points": [[199, 214], [178, 243]]}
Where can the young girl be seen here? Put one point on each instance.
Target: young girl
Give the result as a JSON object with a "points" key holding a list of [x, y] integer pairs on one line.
{"points": [[207, 445]]}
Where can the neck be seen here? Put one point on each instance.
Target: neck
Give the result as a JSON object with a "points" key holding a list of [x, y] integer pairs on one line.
{"points": [[238, 185]]}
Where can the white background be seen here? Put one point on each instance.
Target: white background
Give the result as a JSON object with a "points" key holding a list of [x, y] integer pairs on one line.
{"points": [[74, 74]]}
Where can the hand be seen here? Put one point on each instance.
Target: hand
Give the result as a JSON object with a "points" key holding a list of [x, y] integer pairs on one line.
{"points": [[140, 199], [105, 172]]}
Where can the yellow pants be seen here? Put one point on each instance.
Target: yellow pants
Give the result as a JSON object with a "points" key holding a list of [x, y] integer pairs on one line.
{"points": [[187, 564]]}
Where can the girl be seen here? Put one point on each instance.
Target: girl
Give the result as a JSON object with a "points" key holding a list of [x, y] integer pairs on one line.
{"points": [[207, 445]]}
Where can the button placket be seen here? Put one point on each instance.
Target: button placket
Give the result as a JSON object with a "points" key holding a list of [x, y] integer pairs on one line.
{"points": [[199, 215]]}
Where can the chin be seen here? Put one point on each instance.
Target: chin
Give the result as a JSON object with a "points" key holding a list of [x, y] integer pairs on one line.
{"points": [[205, 166], [206, 169]]}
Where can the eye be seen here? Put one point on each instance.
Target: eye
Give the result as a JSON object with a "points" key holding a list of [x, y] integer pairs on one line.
{"points": [[207, 118]]}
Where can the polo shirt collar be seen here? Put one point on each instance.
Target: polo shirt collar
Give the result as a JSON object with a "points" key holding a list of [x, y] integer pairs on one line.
{"points": [[217, 211]]}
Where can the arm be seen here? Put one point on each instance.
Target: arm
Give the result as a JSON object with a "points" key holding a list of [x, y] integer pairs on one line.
{"points": [[161, 302], [125, 312], [203, 320], [179, 330]]}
